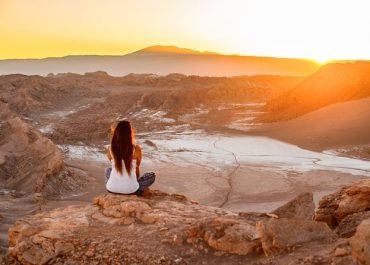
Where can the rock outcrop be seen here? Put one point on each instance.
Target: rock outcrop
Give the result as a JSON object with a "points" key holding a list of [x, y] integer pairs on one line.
{"points": [[348, 206], [347, 227], [30, 95], [302, 207], [278, 235], [168, 229], [360, 242], [31, 163]]}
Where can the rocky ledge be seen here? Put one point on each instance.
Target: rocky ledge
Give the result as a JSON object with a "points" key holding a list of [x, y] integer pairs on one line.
{"points": [[171, 229]]}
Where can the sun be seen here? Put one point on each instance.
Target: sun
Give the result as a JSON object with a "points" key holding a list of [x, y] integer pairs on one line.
{"points": [[321, 60]]}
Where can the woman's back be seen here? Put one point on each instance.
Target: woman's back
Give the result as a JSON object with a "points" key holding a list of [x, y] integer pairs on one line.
{"points": [[122, 183]]}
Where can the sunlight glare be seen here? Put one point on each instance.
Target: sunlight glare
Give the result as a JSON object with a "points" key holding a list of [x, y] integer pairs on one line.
{"points": [[315, 29]]}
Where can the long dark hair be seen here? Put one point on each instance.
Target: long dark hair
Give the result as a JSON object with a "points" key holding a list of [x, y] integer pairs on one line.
{"points": [[122, 146]]}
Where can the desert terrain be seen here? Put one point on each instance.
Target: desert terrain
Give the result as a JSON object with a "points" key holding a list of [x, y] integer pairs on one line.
{"points": [[238, 143], [209, 138]]}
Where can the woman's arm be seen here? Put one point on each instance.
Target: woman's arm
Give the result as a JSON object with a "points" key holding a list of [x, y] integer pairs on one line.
{"points": [[109, 154], [138, 157]]}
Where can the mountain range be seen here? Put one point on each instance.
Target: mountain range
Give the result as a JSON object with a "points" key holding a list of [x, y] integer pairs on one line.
{"points": [[162, 60]]}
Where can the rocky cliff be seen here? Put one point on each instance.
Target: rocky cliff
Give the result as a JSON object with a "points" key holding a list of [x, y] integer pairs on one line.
{"points": [[171, 229], [31, 163]]}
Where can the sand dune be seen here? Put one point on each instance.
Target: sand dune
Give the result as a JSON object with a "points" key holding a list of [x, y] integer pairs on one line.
{"points": [[338, 125], [332, 83]]}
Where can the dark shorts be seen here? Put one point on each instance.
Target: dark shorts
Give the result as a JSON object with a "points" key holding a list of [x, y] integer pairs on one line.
{"points": [[145, 180]]}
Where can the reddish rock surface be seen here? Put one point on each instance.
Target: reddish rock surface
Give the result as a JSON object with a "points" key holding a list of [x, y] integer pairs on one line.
{"points": [[166, 228], [302, 207], [351, 199], [278, 235], [360, 243]]}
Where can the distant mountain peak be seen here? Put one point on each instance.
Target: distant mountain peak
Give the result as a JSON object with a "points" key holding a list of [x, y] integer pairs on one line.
{"points": [[172, 49]]}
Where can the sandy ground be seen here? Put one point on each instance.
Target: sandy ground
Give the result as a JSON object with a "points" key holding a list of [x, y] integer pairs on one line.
{"points": [[236, 173], [343, 126], [247, 190]]}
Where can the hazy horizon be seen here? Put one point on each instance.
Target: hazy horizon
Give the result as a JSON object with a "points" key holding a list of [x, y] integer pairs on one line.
{"points": [[286, 29], [200, 52]]}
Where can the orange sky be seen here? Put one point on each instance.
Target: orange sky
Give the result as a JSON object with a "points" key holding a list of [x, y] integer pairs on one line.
{"points": [[317, 29]]}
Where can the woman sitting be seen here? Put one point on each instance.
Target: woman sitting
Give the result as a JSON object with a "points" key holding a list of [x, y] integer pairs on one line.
{"points": [[124, 175]]}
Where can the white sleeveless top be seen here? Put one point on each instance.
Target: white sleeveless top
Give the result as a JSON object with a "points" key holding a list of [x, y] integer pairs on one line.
{"points": [[122, 183]]}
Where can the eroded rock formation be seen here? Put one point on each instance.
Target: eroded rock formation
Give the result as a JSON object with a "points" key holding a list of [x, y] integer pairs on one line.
{"points": [[170, 229], [31, 163], [346, 208]]}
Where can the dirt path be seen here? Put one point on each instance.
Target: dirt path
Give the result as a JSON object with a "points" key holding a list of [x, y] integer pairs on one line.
{"points": [[230, 175]]}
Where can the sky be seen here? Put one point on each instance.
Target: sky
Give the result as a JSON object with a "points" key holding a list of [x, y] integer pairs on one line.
{"points": [[315, 29]]}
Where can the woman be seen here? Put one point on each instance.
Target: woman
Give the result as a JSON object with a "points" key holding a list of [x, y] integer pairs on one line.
{"points": [[124, 175]]}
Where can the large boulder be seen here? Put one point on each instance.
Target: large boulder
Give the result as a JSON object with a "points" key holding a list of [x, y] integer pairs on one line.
{"points": [[226, 235], [360, 243], [351, 199], [301, 207], [279, 235]]}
